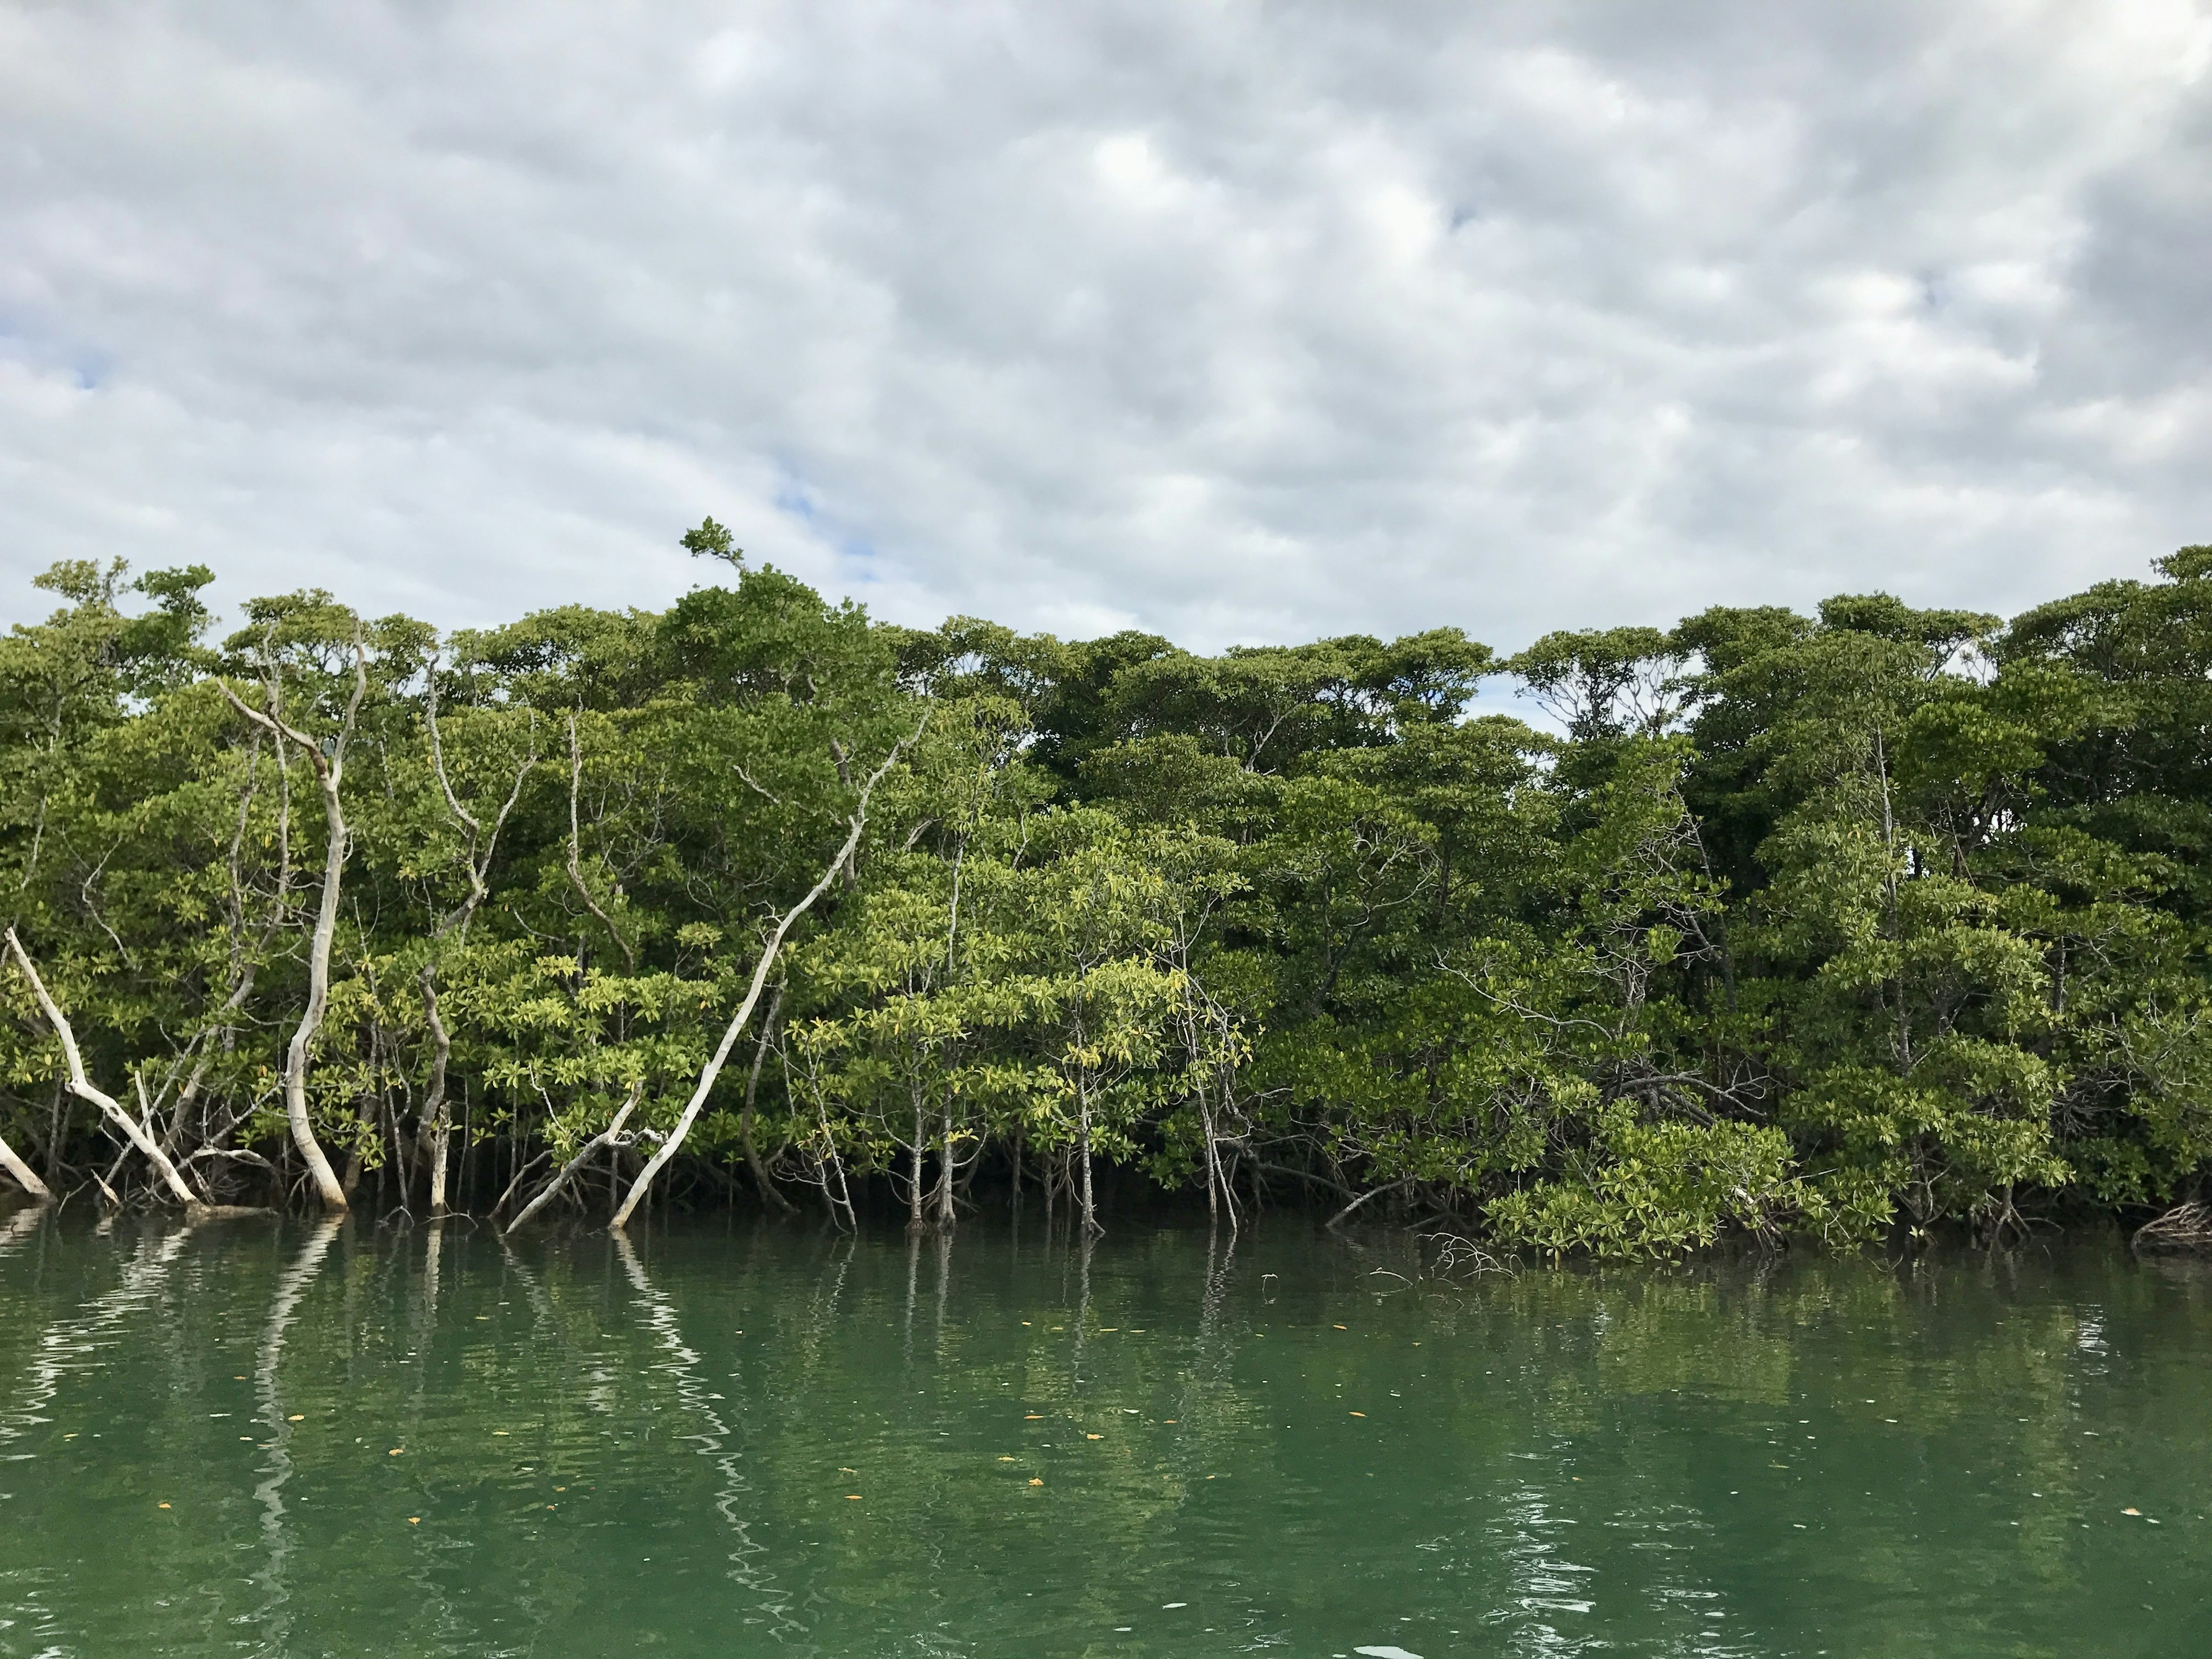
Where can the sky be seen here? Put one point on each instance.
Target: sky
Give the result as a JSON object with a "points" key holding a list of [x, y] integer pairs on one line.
{"points": [[1239, 322]]}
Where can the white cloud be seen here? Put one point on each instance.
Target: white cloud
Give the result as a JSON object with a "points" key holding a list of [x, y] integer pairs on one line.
{"points": [[1229, 321]]}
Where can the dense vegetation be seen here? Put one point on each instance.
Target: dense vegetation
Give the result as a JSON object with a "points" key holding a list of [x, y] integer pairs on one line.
{"points": [[1776, 924]]}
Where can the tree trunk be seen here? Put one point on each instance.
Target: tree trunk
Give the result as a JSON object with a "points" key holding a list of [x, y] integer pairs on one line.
{"points": [[913, 1171], [605, 1137], [82, 1087], [1090, 1203], [25, 1176], [438, 1144], [752, 1093], [318, 996], [713, 1069], [1213, 1170], [945, 1216], [329, 768], [436, 1124], [54, 1132]]}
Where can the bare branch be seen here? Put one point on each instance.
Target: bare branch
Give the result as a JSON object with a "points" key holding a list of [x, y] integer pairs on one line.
{"points": [[754, 785], [1394, 1187]]}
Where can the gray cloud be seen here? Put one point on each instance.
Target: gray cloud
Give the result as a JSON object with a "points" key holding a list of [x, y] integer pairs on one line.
{"points": [[1238, 321]]}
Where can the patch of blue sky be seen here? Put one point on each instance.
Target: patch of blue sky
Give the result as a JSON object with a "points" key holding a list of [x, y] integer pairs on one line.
{"points": [[859, 557], [795, 500], [25, 343]]}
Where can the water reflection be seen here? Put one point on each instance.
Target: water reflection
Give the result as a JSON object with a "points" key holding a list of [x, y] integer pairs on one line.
{"points": [[276, 1468], [74, 1344], [1172, 1442], [713, 1439], [17, 1229]]}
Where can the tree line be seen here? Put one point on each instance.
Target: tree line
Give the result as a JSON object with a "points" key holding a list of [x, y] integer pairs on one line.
{"points": [[1772, 925]]}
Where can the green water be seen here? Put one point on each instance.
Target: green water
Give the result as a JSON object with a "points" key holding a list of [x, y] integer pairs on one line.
{"points": [[731, 1441]]}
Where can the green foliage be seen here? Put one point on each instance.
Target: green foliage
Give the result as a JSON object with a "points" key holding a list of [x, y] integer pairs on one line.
{"points": [[1777, 926]]}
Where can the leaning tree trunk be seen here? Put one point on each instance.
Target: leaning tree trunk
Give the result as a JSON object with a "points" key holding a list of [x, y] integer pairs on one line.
{"points": [[668, 1149], [82, 1086], [607, 1137], [25, 1175]]}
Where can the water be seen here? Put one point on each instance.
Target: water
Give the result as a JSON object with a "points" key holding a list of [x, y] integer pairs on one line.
{"points": [[246, 1439]]}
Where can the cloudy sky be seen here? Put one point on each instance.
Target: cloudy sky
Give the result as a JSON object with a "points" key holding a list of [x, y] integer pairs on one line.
{"points": [[1239, 321]]}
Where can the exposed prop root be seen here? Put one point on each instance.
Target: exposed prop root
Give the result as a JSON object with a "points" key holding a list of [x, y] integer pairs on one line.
{"points": [[2184, 1227], [1459, 1257]]}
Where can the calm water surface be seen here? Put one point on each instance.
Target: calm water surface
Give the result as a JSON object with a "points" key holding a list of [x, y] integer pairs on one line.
{"points": [[249, 1439]]}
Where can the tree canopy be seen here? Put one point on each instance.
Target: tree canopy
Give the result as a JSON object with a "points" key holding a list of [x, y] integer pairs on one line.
{"points": [[1767, 924]]}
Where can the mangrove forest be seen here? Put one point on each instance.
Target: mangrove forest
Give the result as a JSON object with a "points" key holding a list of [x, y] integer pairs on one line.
{"points": [[1871, 923]]}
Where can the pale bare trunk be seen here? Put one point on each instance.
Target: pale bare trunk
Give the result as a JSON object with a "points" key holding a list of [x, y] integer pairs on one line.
{"points": [[1217, 1195], [329, 770], [605, 1137], [25, 1176], [1090, 1203], [436, 1127], [318, 997], [752, 1093], [1213, 1172], [831, 1163], [441, 1144], [945, 1216], [82, 1086], [913, 1171], [713, 1069]]}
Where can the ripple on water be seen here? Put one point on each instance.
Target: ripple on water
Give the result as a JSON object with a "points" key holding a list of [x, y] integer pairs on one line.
{"points": [[596, 1460]]}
